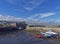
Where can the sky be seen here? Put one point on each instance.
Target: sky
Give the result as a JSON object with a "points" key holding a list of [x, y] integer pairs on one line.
{"points": [[31, 10]]}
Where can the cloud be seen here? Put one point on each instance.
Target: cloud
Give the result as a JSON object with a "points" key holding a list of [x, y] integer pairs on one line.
{"points": [[39, 17], [11, 18], [42, 15], [33, 19], [30, 5], [29, 9], [47, 14], [26, 4]]}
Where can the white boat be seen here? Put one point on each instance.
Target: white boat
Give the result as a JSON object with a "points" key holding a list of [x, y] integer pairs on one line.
{"points": [[50, 34]]}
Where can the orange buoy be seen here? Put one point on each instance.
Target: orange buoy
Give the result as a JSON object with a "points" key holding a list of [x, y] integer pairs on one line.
{"points": [[39, 36]]}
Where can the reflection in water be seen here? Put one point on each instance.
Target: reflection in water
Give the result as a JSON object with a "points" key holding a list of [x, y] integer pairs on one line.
{"points": [[21, 37]]}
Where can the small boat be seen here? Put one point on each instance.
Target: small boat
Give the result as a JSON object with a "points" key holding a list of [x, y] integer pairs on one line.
{"points": [[38, 35], [50, 34]]}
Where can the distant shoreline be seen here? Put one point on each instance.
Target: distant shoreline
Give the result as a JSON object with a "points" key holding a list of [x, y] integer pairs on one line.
{"points": [[57, 29]]}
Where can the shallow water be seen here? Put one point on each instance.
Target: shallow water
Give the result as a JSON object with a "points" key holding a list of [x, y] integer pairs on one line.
{"points": [[22, 37]]}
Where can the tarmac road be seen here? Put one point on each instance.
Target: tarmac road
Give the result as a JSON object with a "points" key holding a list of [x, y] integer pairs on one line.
{"points": [[21, 37]]}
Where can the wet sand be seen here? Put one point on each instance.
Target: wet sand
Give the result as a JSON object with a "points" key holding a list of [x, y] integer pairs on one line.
{"points": [[23, 37]]}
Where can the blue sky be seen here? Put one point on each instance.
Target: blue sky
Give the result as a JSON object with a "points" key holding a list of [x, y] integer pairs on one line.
{"points": [[37, 10]]}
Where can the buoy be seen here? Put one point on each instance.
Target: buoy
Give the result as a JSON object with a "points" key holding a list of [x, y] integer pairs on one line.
{"points": [[38, 35]]}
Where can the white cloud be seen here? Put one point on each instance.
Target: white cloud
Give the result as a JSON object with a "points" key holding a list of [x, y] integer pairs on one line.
{"points": [[42, 15], [33, 16], [38, 17], [33, 19], [10, 18], [47, 14], [27, 8], [28, 5]]}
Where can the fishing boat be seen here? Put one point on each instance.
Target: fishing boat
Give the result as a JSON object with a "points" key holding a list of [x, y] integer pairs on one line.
{"points": [[50, 34]]}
